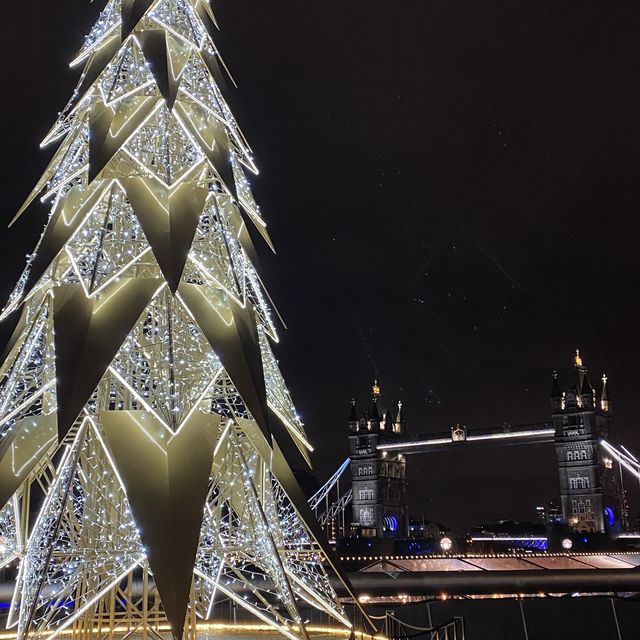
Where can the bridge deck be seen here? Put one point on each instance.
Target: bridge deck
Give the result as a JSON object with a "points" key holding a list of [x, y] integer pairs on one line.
{"points": [[535, 433]]}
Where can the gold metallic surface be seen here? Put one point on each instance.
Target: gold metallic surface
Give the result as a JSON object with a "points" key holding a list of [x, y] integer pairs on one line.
{"points": [[166, 478], [89, 332], [237, 347], [22, 449]]}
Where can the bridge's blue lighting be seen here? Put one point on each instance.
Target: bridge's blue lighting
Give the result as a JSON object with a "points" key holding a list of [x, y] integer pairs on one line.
{"points": [[391, 523], [609, 515]]}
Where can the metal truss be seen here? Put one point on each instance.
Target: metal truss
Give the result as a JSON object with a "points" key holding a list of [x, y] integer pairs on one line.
{"points": [[140, 481]]}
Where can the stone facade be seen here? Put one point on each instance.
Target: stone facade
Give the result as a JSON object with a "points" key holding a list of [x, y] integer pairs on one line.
{"points": [[379, 506], [591, 500]]}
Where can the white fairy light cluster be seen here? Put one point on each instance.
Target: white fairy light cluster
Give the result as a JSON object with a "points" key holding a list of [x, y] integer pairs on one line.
{"points": [[84, 539], [165, 365], [27, 380], [254, 548], [278, 395], [106, 25], [8, 533], [253, 536]]}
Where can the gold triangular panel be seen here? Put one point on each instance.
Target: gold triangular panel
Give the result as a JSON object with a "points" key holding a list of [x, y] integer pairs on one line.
{"points": [[169, 219], [23, 446], [84, 541], [132, 13], [303, 557], [67, 168], [169, 488], [111, 126], [212, 138], [71, 163], [198, 86], [88, 334]]}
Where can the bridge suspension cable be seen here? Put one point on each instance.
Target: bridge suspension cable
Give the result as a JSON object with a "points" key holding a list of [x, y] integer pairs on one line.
{"points": [[326, 488], [624, 457]]}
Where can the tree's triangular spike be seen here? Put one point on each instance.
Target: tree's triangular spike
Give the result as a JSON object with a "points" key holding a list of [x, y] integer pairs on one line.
{"points": [[212, 138], [27, 393], [170, 488], [66, 218], [236, 344], [111, 126], [216, 258], [246, 199], [132, 13], [240, 538], [164, 148], [169, 221], [129, 74], [89, 332]]}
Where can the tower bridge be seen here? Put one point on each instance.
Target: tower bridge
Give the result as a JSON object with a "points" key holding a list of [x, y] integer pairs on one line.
{"points": [[589, 465]]}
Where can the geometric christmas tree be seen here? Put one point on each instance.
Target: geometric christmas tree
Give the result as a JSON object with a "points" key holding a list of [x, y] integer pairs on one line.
{"points": [[141, 403]]}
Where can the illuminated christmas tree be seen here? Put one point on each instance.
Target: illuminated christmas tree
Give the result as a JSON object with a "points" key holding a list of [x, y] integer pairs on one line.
{"points": [[139, 391]]}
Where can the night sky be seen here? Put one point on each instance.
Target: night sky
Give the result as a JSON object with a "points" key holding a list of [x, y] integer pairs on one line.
{"points": [[453, 189]]}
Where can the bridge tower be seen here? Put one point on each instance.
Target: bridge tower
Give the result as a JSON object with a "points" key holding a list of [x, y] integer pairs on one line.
{"points": [[378, 479], [589, 489]]}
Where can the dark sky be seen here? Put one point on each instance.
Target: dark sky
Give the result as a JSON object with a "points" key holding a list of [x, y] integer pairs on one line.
{"points": [[453, 189]]}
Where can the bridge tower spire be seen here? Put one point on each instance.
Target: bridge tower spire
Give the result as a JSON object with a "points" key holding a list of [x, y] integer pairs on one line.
{"points": [[606, 404], [556, 393]]}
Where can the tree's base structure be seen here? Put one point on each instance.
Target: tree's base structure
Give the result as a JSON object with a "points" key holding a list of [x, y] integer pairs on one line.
{"points": [[141, 404]]}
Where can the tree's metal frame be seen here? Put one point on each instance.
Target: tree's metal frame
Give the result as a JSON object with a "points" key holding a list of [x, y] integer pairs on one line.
{"points": [[139, 391]]}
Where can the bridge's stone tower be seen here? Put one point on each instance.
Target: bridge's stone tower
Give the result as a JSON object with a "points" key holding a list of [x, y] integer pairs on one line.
{"points": [[588, 484], [378, 479]]}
